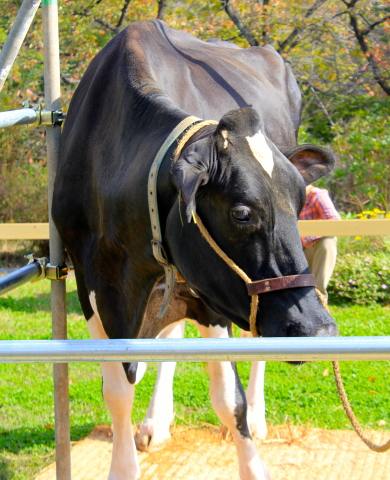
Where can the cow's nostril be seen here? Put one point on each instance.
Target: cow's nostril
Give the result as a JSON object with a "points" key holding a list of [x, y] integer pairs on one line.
{"points": [[329, 330], [294, 330]]}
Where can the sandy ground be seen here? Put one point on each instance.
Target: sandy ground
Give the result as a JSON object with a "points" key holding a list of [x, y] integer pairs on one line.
{"points": [[290, 453]]}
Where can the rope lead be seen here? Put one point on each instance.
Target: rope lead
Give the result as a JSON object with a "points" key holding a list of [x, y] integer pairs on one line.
{"points": [[255, 301], [344, 399], [352, 418]]}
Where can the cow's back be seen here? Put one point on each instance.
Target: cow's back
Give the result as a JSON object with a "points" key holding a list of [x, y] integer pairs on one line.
{"points": [[135, 91], [208, 79]]}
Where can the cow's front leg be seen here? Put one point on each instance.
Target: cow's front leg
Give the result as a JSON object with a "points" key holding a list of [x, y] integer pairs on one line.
{"points": [[255, 398], [118, 395], [155, 429], [256, 402], [229, 402]]}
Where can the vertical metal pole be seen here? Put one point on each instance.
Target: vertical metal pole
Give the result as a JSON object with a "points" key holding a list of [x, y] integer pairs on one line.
{"points": [[58, 287], [16, 36]]}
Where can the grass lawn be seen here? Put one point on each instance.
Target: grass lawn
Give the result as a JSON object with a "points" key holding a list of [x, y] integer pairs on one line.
{"points": [[300, 395]]}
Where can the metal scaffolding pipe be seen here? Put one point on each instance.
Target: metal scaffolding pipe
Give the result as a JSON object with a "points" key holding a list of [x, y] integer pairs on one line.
{"points": [[19, 277], [196, 350], [30, 116], [58, 287], [13, 118], [16, 36]]}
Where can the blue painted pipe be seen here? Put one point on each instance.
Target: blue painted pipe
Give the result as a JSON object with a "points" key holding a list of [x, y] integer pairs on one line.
{"points": [[20, 276]]}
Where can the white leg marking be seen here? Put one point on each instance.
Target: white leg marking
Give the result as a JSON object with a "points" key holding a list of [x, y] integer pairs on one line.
{"points": [[256, 402], [223, 399], [154, 431], [255, 398], [141, 369], [261, 151], [118, 396]]}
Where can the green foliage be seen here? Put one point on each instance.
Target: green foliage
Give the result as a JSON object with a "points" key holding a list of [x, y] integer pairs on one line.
{"points": [[23, 195], [362, 279], [360, 138], [362, 272], [334, 75]]}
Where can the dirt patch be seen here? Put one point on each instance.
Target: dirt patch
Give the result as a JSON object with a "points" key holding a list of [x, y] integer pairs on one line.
{"points": [[290, 453]]}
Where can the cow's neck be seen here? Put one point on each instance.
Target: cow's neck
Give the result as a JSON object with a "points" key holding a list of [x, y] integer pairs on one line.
{"points": [[158, 249]]}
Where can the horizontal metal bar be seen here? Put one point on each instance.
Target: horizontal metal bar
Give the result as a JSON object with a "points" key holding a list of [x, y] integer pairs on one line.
{"points": [[12, 118], [19, 277], [339, 228], [195, 350]]}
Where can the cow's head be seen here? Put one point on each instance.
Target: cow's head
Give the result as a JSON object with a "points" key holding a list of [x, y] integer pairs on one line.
{"points": [[248, 193]]}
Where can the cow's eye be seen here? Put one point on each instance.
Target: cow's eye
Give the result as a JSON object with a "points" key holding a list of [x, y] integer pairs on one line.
{"points": [[242, 214]]}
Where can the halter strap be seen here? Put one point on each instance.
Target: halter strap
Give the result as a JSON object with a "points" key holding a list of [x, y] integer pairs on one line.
{"points": [[279, 283], [158, 249]]}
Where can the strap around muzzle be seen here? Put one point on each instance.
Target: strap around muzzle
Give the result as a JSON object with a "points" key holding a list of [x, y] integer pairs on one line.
{"points": [[281, 283]]}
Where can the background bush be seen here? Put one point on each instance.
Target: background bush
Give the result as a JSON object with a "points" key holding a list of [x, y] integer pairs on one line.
{"points": [[361, 278], [362, 272]]}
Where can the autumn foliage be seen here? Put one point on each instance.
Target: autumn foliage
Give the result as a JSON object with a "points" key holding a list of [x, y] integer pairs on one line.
{"points": [[338, 49]]}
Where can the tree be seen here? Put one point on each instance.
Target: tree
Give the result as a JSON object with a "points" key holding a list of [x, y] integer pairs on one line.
{"points": [[338, 49]]}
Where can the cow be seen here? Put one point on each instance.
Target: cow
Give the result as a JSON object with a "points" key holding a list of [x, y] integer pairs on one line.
{"points": [[249, 409], [137, 192]]}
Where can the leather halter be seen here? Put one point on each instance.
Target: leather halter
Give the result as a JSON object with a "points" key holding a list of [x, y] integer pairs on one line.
{"points": [[158, 249], [254, 288], [280, 283]]}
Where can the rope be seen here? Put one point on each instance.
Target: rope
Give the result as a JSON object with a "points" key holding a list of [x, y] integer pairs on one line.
{"points": [[188, 134], [237, 269], [352, 418], [344, 399], [252, 321], [255, 300]]}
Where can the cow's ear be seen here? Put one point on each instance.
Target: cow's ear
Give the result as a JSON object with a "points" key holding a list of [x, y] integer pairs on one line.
{"points": [[311, 161], [235, 125], [189, 172]]}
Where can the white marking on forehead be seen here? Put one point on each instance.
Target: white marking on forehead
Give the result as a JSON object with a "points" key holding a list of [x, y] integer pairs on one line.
{"points": [[225, 134], [261, 151]]}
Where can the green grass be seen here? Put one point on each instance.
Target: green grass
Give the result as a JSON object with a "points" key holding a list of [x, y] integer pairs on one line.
{"points": [[301, 395]]}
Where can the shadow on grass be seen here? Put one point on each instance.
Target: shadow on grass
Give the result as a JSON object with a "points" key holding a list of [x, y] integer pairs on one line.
{"points": [[31, 441], [28, 449], [27, 439], [5, 471], [41, 301]]}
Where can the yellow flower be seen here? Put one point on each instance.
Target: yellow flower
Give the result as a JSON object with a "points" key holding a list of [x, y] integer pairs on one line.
{"points": [[377, 211], [358, 238], [388, 215]]}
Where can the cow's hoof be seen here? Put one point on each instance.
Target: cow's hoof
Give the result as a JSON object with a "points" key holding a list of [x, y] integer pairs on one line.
{"points": [[257, 425], [152, 436], [142, 442]]}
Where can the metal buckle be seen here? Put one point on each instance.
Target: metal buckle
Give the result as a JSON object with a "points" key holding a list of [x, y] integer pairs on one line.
{"points": [[159, 253]]}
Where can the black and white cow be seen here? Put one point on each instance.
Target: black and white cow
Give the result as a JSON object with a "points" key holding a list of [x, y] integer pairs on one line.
{"points": [[243, 177], [248, 412]]}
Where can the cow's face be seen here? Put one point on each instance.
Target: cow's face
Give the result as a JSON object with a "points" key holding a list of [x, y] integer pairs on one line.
{"points": [[248, 195]]}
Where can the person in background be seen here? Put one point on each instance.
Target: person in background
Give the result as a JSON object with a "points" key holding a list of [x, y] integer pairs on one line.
{"points": [[321, 252]]}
